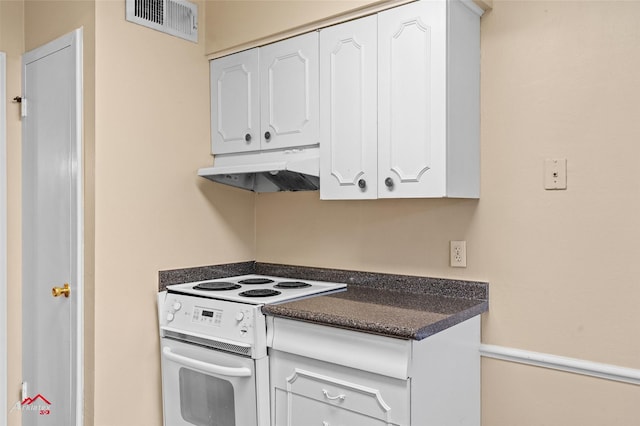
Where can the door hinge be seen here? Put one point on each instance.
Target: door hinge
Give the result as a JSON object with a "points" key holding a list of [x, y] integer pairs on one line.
{"points": [[23, 105]]}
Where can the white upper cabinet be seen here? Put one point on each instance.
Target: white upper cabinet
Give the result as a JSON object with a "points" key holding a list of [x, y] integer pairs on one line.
{"points": [[412, 93], [235, 103], [289, 88], [426, 137], [266, 98], [348, 110]]}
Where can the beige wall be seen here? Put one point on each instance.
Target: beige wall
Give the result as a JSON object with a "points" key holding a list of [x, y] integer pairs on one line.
{"points": [[232, 25], [152, 211], [559, 79]]}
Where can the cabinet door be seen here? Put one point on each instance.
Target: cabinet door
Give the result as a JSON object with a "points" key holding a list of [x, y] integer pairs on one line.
{"points": [[289, 90], [235, 103], [412, 100], [348, 110]]}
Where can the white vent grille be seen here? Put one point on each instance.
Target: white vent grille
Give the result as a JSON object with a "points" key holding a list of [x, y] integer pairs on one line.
{"points": [[175, 17], [209, 343]]}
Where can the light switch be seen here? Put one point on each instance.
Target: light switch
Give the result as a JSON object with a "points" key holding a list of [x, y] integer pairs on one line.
{"points": [[555, 173]]}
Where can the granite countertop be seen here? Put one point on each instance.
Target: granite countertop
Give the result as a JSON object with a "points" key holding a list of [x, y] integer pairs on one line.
{"points": [[400, 306], [392, 313]]}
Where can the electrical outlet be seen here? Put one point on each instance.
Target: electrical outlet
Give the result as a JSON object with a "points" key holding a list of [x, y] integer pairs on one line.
{"points": [[458, 254]]}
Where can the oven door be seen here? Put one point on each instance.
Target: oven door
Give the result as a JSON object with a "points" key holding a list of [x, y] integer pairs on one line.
{"points": [[206, 387]]}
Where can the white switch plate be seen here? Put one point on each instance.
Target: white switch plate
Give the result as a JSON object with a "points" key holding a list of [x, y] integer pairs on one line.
{"points": [[555, 173], [458, 256]]}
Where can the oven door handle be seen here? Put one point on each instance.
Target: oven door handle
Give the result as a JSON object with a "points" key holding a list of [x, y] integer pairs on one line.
{"points": [[205, 366]]}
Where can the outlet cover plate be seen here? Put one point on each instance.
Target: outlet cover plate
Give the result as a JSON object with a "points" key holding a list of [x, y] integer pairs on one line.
{"points": [[458, 254], [555, 173]]}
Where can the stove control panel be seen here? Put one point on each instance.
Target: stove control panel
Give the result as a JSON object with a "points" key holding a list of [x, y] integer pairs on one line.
{"points": [[211, 317], [208, 316]]}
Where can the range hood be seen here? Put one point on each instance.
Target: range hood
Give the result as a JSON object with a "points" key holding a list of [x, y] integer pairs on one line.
{"points": [[295, 169]]}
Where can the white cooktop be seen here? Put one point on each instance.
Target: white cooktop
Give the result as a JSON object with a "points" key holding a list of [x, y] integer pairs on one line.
{"points": [[256, 289]]}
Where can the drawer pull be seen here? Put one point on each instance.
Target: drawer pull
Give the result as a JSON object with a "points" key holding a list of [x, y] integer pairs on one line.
{"points": [[333, 398]]}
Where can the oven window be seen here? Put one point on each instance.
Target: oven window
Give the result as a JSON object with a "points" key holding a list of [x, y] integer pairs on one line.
{"points": [[206, 400]]}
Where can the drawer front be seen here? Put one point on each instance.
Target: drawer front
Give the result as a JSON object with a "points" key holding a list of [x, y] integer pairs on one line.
{"points": [[343, 347], [310, 392], [311, 412]]}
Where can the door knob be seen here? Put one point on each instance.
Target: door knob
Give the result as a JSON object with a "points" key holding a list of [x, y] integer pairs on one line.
{"points": [[362, 183], [59, 291], [388, 182]]}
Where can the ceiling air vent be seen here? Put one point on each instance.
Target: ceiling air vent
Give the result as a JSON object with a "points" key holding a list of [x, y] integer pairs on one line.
{"points": [[175, 17]]}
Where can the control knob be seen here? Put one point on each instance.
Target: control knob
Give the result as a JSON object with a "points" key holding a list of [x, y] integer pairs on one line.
{"points": [[177, 305], [239, 316], [170, 316]]}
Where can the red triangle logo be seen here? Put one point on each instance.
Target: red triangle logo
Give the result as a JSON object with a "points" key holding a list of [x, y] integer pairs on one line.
{"points": [[29, 401]]}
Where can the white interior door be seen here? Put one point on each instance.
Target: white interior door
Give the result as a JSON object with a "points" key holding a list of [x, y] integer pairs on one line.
{"points": [[3, 242], [52, 233]]}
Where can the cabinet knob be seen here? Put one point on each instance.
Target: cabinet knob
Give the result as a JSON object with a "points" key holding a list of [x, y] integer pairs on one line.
{"points": [[267, 135], [388, 182], [247, 137], [362, 183]]}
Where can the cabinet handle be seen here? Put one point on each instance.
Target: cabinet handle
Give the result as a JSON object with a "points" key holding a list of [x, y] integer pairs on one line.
{"points": [[247, 137], [341, 397], [388, 182], [267, 135], [362, 183]]}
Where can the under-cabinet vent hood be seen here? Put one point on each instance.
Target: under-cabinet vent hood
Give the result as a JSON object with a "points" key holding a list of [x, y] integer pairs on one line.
{"points": [[268, 171]]}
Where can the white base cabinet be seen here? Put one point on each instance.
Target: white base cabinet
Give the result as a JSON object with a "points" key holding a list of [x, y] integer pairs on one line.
{"points": [[327, 376], [399, 103]]}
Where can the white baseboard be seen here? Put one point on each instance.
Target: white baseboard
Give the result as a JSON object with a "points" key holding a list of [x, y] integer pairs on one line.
{"points": [[569, 365]]}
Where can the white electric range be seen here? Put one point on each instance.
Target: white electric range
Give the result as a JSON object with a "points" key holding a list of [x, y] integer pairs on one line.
{"points": [[214, 347]]}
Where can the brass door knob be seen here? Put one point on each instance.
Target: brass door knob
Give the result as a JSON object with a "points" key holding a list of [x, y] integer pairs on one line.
{"points": [[59, 291]]}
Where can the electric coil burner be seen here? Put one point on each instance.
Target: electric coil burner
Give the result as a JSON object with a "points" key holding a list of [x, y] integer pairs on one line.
{"points": [[292, 284], [253, 281], [216, 286], [260, 292]]}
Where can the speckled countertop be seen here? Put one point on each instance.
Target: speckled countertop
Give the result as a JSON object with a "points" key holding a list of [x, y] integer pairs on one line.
{"points": [[388, 312], [401, 306]]}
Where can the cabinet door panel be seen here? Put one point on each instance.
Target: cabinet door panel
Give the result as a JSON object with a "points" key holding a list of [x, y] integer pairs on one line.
{"points": [[348, 110], [412, 100], [235, 103], [289, 86], [305, 411]]}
